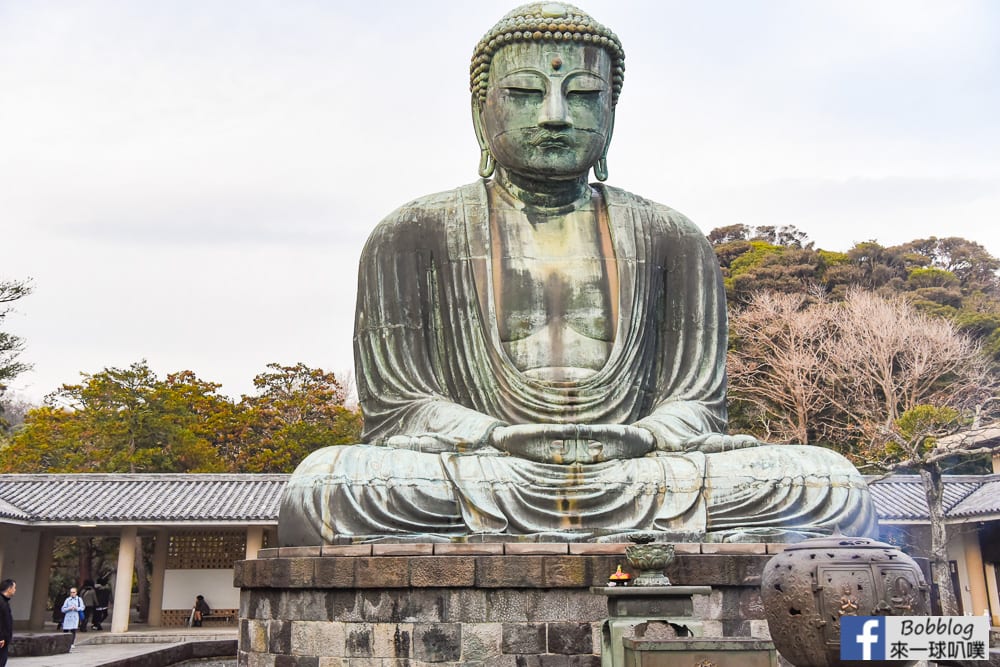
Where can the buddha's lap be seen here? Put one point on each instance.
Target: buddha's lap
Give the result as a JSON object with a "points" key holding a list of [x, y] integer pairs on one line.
{"points": [[723, 470], [366, 490]]}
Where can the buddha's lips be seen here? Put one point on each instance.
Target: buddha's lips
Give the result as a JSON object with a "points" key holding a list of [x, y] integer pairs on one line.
{"points": [[548, 140]]}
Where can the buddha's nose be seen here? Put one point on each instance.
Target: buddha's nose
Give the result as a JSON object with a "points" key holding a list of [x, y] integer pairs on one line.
{"points": [[555, 114]]}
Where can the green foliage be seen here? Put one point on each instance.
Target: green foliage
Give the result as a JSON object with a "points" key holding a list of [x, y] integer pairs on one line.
{"points": [[951, 278], [991, 345], [121, 420], [976, 324], [919, 424], [49, 441], [933, 287], [130, 420], [790, 270], [758, 252], [926, 303], [877, 266], [974, 268], [765, 257], [830, 258], [983, 327], [728, 252], [930, 276], [297, 410]]}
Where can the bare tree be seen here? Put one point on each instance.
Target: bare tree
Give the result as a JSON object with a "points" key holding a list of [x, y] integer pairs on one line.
{"points": [[888, 358], [11, 346], [893, 388], [779, 364], [13, 408]]}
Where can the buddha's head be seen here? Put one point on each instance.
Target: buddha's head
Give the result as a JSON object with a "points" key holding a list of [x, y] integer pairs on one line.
{"points": [[545, 81]]}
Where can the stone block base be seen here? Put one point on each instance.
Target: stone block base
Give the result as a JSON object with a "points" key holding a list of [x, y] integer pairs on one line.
{"points": [[717, 652], [451, 626], [40, 643], [510, 609]]}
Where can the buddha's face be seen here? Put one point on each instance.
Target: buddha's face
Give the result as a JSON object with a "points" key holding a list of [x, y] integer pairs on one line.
{"points": [[548, 108]]}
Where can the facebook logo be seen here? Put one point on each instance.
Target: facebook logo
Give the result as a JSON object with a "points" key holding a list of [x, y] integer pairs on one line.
{"points": [[862, 638]]}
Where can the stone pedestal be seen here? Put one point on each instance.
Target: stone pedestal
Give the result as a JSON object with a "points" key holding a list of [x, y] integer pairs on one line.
{"points": [[633, 610], [719, 652], [459, 604]]}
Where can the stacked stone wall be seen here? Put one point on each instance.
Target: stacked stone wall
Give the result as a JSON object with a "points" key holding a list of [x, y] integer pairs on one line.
{"points": [[493, 605]]}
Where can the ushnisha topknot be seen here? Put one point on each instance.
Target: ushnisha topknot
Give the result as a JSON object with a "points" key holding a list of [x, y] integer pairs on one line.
{"points": [[545, 22]]}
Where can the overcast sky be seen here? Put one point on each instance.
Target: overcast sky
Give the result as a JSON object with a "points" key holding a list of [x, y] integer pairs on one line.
{"points": [[191, 182]]}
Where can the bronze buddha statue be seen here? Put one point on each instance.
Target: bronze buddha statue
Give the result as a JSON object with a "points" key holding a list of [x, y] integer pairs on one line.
{"points": [[543, 357]]}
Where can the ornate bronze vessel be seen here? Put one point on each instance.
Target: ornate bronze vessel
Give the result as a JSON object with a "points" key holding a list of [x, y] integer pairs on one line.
{"points": [[809, 586], [649, 558]]}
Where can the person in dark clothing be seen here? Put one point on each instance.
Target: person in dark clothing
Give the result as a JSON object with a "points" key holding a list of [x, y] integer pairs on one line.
{"points": [[89, 597], [104, 597], [201, 609], [7, 589]]}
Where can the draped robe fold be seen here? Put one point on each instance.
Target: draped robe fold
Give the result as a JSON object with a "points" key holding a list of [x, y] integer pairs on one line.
{"points": [[429, 361]]}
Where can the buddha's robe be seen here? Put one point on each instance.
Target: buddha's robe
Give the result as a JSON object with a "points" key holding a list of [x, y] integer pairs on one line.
{"points": [[429, 361]]}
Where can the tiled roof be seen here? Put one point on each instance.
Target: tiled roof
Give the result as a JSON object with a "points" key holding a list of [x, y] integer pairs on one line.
{"points": [[902, 498], [246, 498], [140, 498], [982, 501], [10, 512]]}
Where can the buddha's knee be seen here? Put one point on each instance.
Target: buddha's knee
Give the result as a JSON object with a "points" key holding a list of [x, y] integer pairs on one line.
{"points": [[780, 462], [320, 462], [820, 460], [353, 465]]}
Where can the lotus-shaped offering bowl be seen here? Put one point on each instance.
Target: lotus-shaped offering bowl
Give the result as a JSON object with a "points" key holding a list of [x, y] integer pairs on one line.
{"points": [[649, 558]]}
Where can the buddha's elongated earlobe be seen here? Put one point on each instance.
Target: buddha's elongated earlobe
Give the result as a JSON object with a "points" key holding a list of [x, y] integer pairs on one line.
{"points": [[601, 168], [486, 162]]}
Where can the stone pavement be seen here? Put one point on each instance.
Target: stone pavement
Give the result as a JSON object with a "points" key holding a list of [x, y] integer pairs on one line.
{"points": [[95, 649]]}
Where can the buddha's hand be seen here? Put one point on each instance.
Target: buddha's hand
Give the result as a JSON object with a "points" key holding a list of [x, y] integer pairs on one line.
{"points": [[573, 443], [713, 443], [429, 443]]}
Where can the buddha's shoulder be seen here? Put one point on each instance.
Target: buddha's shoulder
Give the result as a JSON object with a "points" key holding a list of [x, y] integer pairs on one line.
{"points": [[651, 212], [426, 219], [437, 206]]}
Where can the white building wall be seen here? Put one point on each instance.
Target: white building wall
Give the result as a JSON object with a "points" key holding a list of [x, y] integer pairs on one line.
{"points": [[957, 535], [181, 586], [20, 549]]}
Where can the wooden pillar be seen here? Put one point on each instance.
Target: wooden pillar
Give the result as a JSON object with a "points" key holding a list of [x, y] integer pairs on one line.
{"points": [[156, 585], [255, 541], [43, 572], [123, 580], [977, 575], [993, 592]]}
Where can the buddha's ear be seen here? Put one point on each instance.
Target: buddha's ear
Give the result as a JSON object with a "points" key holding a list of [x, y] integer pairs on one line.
{"points": [[601, 168], [611, 131], [486, 162]]}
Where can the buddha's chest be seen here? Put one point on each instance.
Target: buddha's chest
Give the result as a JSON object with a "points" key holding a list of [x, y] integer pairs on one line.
{"points": [[554, 287]]}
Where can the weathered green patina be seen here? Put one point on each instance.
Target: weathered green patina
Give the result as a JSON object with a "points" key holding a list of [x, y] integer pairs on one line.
{"points": [[539, 356]]}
